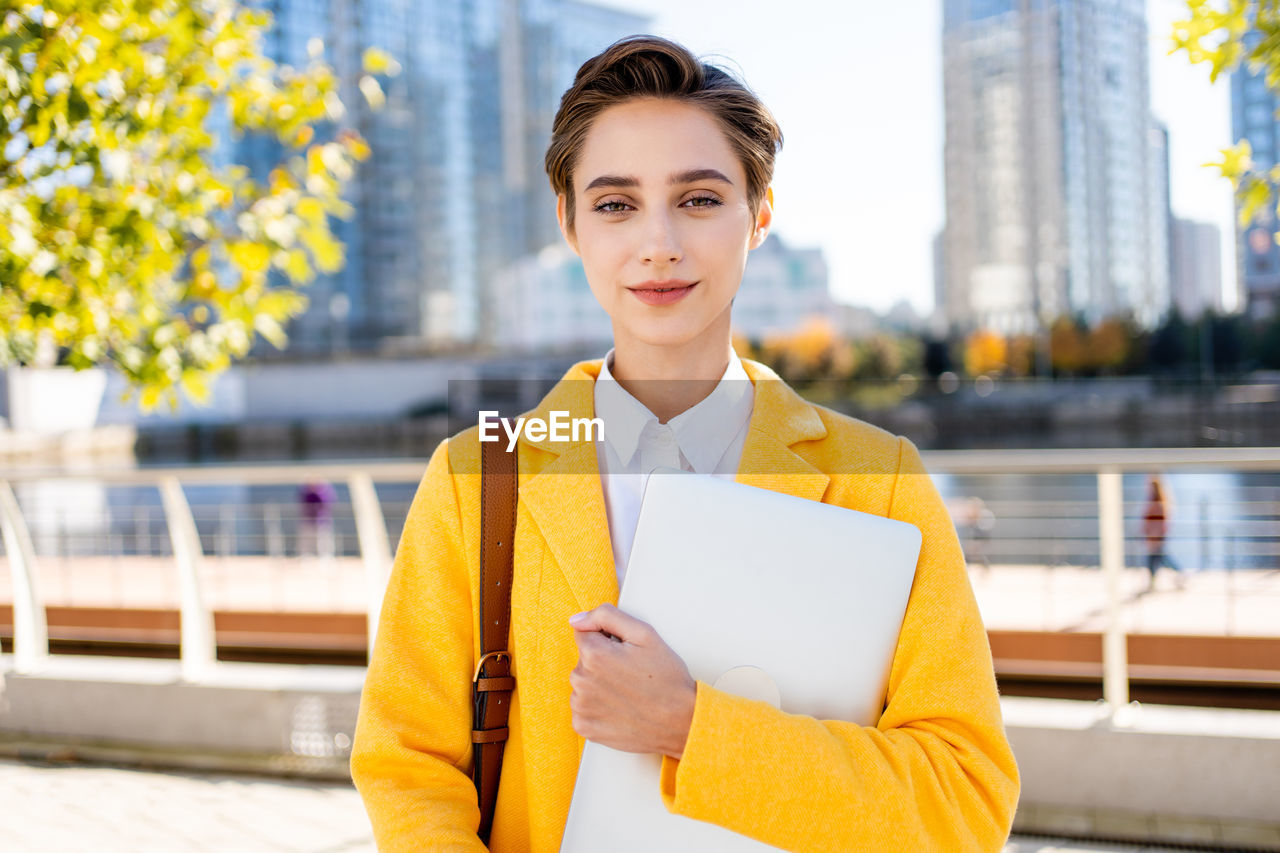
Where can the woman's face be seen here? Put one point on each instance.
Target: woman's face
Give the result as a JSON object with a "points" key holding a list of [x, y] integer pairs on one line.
{"points": [[662, 223]]}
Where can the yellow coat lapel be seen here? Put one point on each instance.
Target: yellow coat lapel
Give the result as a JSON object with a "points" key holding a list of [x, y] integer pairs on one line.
{"points": [[780, 419], [565, 496]]}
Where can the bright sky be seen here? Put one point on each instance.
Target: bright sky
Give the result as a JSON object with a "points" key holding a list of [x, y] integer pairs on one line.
{"points": [[857, 88]]}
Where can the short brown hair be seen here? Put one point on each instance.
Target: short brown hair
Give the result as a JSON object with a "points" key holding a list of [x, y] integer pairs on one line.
{"points": [[648, 66]]}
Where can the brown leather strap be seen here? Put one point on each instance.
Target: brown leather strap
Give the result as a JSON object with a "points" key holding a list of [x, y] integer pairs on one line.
{"points": [[490, 735], [493, 683], [487, 684]]}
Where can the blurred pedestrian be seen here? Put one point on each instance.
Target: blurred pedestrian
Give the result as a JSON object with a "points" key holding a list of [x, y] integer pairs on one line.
{"points": [[1155, 527], [982, 521], [974, 522], [315, 528]]}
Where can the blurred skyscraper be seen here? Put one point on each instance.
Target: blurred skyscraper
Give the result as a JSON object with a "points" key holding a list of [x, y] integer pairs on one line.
{"points": [[455, 188], [1197, 268], [1253, 117], [524, 54], [1056, 174]]}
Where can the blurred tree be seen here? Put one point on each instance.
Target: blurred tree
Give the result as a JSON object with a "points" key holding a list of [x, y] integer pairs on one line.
{"points": [[1022, 355], [813, 352], [1230, 337], [746, 347], [936, 357], [880, 357], [985, 352], [1067, 346], [1267, 344], [121, 242], [910, 355], [812, 344], [1139, 341], [1170, 344], [1107, 349]]}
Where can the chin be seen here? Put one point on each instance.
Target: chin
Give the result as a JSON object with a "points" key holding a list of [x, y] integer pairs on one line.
{"points": [[673, 335], [678, 329]]}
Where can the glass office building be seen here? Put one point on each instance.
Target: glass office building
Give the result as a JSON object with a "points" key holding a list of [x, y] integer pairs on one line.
{"points": [[454, 189], [523, 55], [1056, 173], [1254, 117]]}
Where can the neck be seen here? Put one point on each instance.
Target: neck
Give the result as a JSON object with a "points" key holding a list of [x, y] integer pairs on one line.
{"points": [[670, 380]]}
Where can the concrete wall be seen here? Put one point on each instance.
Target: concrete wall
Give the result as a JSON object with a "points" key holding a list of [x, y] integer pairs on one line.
{"points": [[1157, 774], [247, 713], [1188, 775]]}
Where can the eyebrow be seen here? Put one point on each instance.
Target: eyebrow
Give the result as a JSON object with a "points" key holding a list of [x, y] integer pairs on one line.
{"points": [[688, 176]]}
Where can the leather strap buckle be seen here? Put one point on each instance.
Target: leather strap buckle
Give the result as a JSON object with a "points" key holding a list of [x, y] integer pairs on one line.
{"points": [[480, 666]]}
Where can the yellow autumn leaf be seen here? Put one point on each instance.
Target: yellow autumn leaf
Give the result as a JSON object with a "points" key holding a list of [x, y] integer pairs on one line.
{"points": [[311, 211], [196, 385], [250, 257], [378, 61]]}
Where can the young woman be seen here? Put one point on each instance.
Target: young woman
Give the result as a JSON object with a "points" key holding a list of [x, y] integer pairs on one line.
{"points": [[1155, 526], [662, 165]]}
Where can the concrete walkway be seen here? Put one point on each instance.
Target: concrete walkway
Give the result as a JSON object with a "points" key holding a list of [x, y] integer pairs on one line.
{"points": [[56, 808], [1073, 598], [52, 808], [1011, 597]]}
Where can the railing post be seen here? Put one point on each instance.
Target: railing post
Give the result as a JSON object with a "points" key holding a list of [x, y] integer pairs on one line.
{"points": [[1230, 553], [274, 531], [199, 651], [1115, 657], [30, 630], [375, 547]]}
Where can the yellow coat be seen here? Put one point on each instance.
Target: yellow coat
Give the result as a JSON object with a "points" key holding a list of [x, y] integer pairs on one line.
{"points": [[935, 773]]}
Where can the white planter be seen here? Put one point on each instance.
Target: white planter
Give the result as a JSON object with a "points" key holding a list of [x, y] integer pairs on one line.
{"points": [[51, 400]]}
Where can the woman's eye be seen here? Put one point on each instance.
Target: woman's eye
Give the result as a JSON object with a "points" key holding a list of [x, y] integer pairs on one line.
{"points": [[617, 207], [611, 207]]}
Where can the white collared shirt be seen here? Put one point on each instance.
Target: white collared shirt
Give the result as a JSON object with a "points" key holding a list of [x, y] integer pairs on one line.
{"points": [[706, 438]]}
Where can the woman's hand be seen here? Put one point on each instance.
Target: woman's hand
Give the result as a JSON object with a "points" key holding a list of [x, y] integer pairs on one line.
{"points": [[630, 690]]}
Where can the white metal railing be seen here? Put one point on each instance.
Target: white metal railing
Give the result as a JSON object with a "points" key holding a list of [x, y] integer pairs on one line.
{"points": [[1105, 467], [198, 652], [1108, 466]]}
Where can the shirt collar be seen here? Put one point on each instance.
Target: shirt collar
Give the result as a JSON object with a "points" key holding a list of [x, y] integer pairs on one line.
{"points": [[624, 416], [703, 432]]}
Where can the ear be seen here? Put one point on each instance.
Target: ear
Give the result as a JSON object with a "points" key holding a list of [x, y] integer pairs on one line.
{"points": [[562, 220], [764, 219]]}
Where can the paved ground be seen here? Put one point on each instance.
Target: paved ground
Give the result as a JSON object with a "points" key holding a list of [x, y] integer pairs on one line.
{"points": [[1072, 598], [65, 808], [230, 583], [52, 808]]}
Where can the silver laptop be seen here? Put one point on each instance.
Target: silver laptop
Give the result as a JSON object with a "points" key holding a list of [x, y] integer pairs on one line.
{"points": [[764, 595]]}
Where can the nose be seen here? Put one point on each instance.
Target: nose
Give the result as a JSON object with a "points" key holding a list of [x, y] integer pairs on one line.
{"points": [[660, 240]]}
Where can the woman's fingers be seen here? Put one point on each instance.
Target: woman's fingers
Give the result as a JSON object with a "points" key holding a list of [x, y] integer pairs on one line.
{"points": [[632, 693], [610, 620]]}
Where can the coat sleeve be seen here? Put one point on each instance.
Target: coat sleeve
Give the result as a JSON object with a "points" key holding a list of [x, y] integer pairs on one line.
{"points": [[411, 754], [934, 774]]}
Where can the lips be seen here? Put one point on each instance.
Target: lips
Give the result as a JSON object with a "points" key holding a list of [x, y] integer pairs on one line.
{"points": [[663, 292]]}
